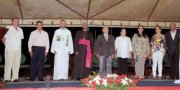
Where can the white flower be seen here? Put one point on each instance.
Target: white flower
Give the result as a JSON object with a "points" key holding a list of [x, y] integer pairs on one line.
{"points": [[97, 78], [97, 82], [104, 82], [90, 83], [112, 75], [126, 78], [124, 82]]}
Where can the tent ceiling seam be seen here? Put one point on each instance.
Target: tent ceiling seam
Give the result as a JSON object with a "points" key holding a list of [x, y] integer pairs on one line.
{"points": [[106, 9], [70, 8], [20, 8], [153, 10]]}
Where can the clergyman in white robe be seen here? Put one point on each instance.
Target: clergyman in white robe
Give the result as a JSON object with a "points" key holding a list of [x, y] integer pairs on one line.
{"points": [[62, 46]]}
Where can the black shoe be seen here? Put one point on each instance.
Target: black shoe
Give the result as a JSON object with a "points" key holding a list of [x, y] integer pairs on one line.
{"points": [[1, 79], [177, 77], [78, 79], [172, 77], [32, 79], [40, 79], [16, 80]]}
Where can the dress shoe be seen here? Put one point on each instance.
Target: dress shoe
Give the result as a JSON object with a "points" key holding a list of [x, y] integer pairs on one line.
{"points": [[32, 79], [154, 78], [141, 79], [40, 79], [78, 79], [136, 77], [16, 80]]}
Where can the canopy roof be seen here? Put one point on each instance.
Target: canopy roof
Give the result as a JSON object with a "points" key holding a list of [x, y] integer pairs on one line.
{"points": [[110, 10]]}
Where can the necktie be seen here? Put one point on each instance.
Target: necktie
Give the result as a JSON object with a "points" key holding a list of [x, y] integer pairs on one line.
{"points": [[106, 37]]}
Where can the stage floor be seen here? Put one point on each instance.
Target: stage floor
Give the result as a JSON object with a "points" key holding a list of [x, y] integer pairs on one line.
{"points": [[53, 84]]}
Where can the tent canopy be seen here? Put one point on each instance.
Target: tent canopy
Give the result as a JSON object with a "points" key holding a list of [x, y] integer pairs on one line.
{"points": [[136, 11]]}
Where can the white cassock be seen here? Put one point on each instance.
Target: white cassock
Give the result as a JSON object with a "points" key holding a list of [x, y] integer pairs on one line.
{"points": [[62, 44]]}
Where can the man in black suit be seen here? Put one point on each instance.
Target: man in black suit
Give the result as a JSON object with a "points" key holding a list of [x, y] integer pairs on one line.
{"points": [[105, 49], [172, 41]]}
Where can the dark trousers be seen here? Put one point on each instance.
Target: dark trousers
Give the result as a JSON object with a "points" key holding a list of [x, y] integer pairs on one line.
{"points": [[37, 62], [174, 65], [122, 66]]}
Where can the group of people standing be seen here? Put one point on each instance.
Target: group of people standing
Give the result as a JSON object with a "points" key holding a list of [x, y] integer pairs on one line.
{"points": [[106, 48]]}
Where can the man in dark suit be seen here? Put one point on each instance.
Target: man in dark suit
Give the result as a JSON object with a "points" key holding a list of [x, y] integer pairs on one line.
{"points": [[105, 49], [172, 41]]}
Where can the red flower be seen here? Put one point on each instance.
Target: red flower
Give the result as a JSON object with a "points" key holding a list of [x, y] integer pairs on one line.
{"points": [[101, 81], [85, 80], [123, 75], [119, 78], [118, 81], [110, 81], [135, 81], [93, 83]]}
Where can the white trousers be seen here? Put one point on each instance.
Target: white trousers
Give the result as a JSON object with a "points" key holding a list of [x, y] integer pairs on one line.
{"points": [[157, 58], [12, 63]]}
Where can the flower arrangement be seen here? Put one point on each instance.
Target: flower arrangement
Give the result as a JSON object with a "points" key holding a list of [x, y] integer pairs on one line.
{"points": [[109, 82]]}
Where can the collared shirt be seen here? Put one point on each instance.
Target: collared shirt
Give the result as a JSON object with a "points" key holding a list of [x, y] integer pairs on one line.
{"points": [[123, 46], [173, 34], [13, 38], [38, 39], [106, 37]]}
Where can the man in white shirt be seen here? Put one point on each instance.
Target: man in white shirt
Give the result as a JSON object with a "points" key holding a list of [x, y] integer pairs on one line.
{"points": [[12, 41], [38, 45], [123, 47], [62, 47], [173, 33]]}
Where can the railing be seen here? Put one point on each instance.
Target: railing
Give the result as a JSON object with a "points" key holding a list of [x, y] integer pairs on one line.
{"points": [[92, 23]]}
